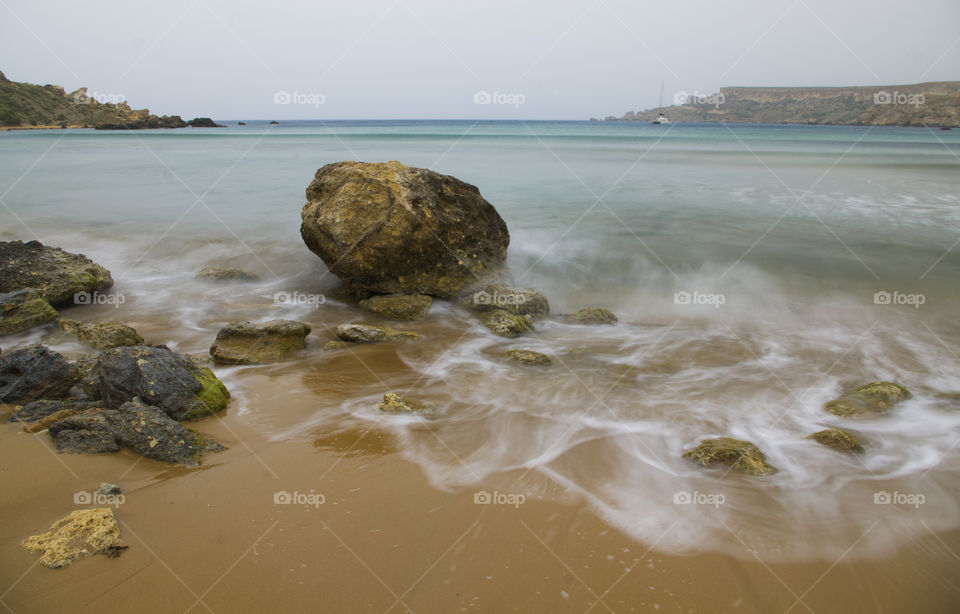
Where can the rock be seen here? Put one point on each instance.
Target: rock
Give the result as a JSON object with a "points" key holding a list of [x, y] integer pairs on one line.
{"points": [[101, 335], [334, 344], [591, 315], [79, 534], [875, 398], [274, 123], [395, 403], [838, 439], [367, 333], [40, 409], [740, 455], [204, 122], [108, 489], [241, 123], [394, 229], [160, 377], [217, 274], [21, 310], [506, 324], [399, 306], [529, 357], [86, 433], [35, 372], [518, 301], [56, 274], [246, 343]]}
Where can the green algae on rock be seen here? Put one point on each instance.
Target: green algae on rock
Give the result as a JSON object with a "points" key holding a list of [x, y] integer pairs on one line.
{"points": [[395, 403], [875, 398], [399, 306], [246, 343], [518, 301], [591, 315], [737, 454], [101, 335], [838, 439], [22, 310], [507, 324], [368, 333], [79, 534], [529, 357], [56, 274]]}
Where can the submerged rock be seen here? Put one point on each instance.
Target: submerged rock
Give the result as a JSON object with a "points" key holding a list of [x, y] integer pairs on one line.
{"points": [[218, 274], [56, 274], [246, 343], [591, 315], [740, 455], [367, 333], [395, 403], [875, 398], [21, 310], [529, 357], [204, 122], [101, 335], [507, 324], [79, 534], [518, 301], [399, 306], [160, 377], [35, 372], [394, 229], [839, 440]]}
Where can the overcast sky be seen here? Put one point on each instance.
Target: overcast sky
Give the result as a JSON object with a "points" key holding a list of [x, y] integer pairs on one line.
{"points": [[231, 59]]}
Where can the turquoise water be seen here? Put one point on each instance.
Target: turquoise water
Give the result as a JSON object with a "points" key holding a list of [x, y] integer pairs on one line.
{"points": [[782, 237]]}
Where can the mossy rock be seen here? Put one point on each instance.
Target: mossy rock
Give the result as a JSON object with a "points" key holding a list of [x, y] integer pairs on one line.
{"points": [[518, 301], [395, 403], [507, 324], [399, 306], [247, 343], [220, 274], [213, 396], [529, 357], [591, 315], [368, 333], [735, 453], [101, 335], [81, 533], [24, 309], [875, 398], [839, 440]]}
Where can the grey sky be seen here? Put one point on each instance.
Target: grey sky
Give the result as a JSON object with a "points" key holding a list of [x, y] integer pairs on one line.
{"points": [[428, 58]]}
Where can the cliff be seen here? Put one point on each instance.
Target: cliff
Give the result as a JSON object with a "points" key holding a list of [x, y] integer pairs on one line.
{"points": [[923, 104]]}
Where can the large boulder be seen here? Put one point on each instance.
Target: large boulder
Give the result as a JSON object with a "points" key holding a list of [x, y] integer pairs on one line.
{"points": [[160, 377], [246, 343], [21, 310], [35, 372], [57, 274], [388, 228]]}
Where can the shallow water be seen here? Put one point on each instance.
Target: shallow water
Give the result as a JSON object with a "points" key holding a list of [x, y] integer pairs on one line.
{"points": [[784, 235]]}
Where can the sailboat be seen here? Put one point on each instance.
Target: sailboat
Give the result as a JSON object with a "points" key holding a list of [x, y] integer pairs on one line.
{"points": [[661, 118]]}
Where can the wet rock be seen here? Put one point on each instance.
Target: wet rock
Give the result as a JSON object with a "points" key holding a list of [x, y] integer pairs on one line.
{"points": [[101, 335], [85, 433], [529, 357], [367, 333], [507, 324], [246, 343], [35, 372], [218, 274], [107, 489], [21, 310], [394, 229], [399, 306], [56, 274], [160, 377], [591, 315], [38, 410], [334, 344], [740, 455], [79, 534], [875, 398], [204, 122], [518, 301], [395, 403], [839, 440]]}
